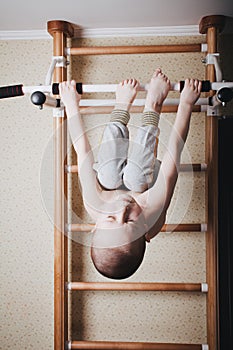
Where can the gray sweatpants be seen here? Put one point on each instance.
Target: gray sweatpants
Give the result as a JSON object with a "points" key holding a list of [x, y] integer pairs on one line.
{"points": [[124, 164]]}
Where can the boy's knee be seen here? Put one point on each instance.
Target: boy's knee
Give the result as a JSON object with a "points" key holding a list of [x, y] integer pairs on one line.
{"points": [[135, 180], [135, 186], [139, 179], [108, 178]]}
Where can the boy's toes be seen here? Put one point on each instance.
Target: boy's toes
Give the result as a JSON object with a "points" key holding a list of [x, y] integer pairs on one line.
{"points": [[134, 82], [157, 72]]}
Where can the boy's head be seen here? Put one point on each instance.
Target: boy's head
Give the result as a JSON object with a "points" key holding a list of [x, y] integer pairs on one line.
{"points": [[118, 244], [119, 262]]}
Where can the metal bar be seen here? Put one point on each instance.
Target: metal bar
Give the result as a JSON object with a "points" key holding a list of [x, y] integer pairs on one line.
{"points": [[91, 88], [87, 88]]}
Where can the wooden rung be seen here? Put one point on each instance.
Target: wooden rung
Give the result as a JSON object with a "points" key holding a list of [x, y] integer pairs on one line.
{"points": [[193, 167], [183, 167], [184, 227], [202, 101], [110, 345], [166, 228], [134, 109], [138, 286], [139, 49]]}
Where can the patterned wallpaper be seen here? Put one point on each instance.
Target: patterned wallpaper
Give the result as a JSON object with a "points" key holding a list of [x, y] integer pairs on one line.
{"points": [[26, 230]]}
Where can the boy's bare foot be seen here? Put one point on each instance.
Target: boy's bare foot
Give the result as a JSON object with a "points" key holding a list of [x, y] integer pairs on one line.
{"points": [[191, 92], [69, 97], [125, 94], [158, 89]]}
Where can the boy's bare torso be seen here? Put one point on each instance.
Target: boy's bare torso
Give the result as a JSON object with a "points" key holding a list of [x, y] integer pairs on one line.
{"points": [[111, 196]]}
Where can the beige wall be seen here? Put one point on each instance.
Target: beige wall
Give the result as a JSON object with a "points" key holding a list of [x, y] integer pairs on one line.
{"points": [[26, 212], [26, 231]]}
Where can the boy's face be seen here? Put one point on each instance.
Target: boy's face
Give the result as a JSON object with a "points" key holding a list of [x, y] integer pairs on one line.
{"points": [[120, 222]]}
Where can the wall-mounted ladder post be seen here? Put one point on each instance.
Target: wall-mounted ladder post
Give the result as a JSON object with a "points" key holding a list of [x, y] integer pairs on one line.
{"points": [[60, 30], [211, 26]]}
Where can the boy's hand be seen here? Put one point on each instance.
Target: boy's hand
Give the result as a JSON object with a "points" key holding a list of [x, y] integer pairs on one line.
{"points": [[191, 92]]}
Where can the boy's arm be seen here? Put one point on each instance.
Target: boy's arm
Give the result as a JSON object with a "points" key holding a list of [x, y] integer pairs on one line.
{"points": [[159, 196], [90, 188]]}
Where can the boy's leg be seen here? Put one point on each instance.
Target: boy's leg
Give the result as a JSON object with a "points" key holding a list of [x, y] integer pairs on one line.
{"points": [[113, 151], [143, 166], [112, 155]]}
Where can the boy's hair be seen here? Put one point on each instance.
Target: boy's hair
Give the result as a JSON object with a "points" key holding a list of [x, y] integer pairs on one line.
{"points": [[119, 262]]}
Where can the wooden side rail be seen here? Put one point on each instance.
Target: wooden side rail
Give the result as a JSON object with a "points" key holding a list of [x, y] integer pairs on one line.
{"points": [[166, 228], [104, 345], [139, 49], [196, 167], [60, 31], [212, 26], [138, 287]]}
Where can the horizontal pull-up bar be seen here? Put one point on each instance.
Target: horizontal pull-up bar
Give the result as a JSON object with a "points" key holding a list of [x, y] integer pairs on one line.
{"points": [[199, 227], [20, 89], [85, 88], [138, 49], [138, 286], [110, 345]]}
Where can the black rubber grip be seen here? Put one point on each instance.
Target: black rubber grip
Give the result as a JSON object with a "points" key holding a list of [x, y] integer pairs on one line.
{"points": [[11, 91], [205, 85], [55, 88]]}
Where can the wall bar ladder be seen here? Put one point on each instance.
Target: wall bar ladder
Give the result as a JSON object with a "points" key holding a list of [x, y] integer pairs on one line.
{"points": [[60, 30]]}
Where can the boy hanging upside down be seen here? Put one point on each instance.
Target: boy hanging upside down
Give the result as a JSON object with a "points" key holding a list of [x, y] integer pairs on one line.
{"points": [[127, 192]]}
